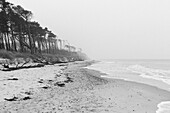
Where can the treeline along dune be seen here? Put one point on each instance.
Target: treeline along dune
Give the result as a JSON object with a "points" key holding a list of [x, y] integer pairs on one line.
{"points": [[21, 37]]}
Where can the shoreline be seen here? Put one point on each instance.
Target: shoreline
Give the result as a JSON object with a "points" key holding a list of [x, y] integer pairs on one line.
{"points": [[139, 78], [89, 92], [160, 105], [163, 106]]}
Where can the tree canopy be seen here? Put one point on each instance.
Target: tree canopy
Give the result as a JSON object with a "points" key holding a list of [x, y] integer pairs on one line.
{"points": [[19, 33]]}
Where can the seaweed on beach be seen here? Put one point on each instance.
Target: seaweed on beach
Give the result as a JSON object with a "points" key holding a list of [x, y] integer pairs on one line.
{"points": [[12, 79], [29, 93], [40, 81], [45, 87], [60, 84], [26, 98], [68, 80]]}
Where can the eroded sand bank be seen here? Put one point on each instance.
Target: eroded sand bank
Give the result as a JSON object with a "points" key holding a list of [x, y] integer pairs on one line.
{"points": [[73, 89]]}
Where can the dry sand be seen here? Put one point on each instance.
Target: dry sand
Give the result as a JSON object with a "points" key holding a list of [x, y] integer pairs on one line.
{"points": [[69, 88]]}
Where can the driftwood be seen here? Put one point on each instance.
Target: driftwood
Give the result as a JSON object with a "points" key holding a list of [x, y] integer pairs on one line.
{"points": [[22, 67], [11, 99], [20, 63]]}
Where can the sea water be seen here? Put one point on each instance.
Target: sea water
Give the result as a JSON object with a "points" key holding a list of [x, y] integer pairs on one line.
{"points": [[151, 72]]}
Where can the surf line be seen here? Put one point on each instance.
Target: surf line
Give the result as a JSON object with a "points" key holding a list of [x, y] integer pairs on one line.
{"points": [[163, 107]]}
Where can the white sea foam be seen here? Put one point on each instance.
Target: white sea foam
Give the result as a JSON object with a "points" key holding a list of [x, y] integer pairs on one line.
{"points": [[111, 68], [163, 107], [157, 74], [115, 78]]}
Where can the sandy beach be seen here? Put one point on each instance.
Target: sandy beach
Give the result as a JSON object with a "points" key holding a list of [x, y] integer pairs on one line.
{"points": [[71, 88]]}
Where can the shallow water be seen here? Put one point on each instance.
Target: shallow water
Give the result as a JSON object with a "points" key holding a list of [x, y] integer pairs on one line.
{"points": [[151, 72], [163, 107]]}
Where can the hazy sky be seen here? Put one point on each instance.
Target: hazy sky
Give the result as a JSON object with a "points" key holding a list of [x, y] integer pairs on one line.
{"points": [[108, 28]]}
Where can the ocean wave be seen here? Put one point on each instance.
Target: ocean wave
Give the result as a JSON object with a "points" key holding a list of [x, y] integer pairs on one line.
{"points": [[157, 74], [163, 107]]}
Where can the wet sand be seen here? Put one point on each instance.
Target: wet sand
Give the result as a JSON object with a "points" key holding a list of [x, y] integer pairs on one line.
{"points": [[74, 89]]}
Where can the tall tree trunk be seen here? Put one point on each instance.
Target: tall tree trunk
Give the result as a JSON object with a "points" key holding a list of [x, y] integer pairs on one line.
{"points": [[13, 39], [43, 46], [57, 47], [39, 45], [9, 45], [54, 47], [29, 37], [60, 45], [2, 46], [49, 46], [6, 42], [46, 43], [34, 48], [21, 39], [15, 45]]}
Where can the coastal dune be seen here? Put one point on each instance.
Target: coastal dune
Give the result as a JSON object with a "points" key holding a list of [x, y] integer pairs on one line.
{"points": [[74, 89]]}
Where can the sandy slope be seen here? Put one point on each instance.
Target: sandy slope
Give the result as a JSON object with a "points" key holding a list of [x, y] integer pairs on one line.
{"points": [[80, 90]]}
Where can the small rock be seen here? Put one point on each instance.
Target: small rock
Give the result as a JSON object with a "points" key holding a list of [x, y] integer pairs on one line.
{"points": [[11, 98]]}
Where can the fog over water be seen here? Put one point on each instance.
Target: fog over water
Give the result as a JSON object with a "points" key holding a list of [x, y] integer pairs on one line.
{"points": [[117, 29]]}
